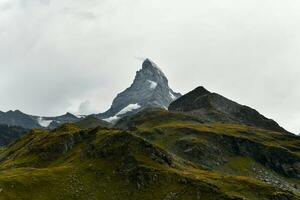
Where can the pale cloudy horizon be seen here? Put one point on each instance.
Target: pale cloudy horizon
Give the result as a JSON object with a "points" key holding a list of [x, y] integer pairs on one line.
{"points": [[62, 56]]}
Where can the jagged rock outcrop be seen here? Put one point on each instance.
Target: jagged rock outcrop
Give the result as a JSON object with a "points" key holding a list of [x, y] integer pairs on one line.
{"points": [[149, 89], [212, 107]]}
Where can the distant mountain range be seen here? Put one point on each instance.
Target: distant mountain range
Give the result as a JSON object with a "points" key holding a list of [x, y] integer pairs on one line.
{"points": [[18, 118], [150, 89]]}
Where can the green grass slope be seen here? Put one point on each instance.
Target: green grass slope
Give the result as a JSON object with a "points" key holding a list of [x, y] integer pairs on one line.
{"points": [[112, 164], [92, 121], [269, 156]]}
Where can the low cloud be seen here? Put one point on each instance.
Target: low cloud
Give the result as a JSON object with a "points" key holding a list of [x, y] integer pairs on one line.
{"points": [[80, 14], [85, 108]]}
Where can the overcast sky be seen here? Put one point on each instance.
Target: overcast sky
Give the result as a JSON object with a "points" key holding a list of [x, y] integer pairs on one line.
{"points": [[75, 55]]}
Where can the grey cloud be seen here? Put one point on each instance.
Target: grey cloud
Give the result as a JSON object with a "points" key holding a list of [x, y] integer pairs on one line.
{"points": [[29, 3], [6, 6], [80, 14], [85, 108], [46, 2], [87, 15]]}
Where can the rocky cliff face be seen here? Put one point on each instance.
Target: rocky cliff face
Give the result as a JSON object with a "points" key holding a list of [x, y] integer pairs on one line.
{"points": [[149, 89], [212, 107]]}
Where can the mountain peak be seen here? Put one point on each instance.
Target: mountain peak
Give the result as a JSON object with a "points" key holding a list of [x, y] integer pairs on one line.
{"points": [[148, 63], [185, 102], [68, 114], [15, 112], [151, 70], [201, 91], [212, 107], [149, 89]]}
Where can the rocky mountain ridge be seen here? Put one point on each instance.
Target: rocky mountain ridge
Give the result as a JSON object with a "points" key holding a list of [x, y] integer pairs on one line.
{"points": [[212, 107]]}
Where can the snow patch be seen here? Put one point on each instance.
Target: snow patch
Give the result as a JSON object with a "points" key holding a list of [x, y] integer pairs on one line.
{"points": [[81, 116], [127, 109], [172, 95], [43, 122], [153, 84], [112, 119]]}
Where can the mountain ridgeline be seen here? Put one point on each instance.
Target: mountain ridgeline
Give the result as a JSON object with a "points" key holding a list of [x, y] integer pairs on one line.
{"points": [[18, 118], [152, 144], [212, 107]]}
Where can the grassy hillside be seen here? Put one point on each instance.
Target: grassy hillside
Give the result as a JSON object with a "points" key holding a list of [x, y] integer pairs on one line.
{"points": [[269, 156], [92, 121], [161, 155]]}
